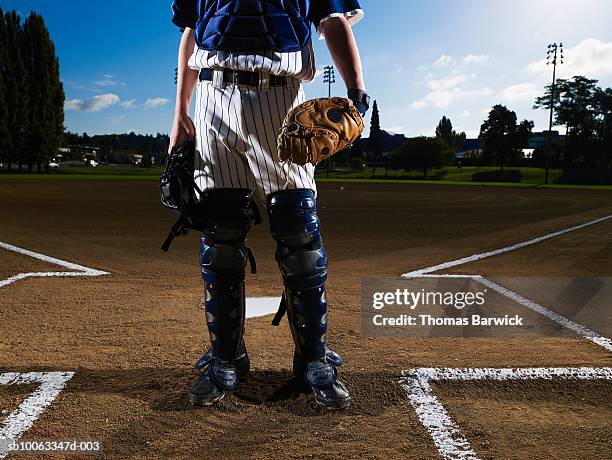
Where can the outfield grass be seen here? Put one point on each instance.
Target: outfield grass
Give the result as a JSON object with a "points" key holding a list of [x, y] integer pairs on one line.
{"points": [[450, 174], [473, 184], [107, 171], [532, 177]]}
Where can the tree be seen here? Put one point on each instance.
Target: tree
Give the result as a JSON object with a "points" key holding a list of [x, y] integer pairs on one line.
{"points": [[523, 133], [603, 127], [574, 104], [445, 131], [423, 153], [4, 129], [375, 140], [46, 117], [501, 137], [16, 96]]}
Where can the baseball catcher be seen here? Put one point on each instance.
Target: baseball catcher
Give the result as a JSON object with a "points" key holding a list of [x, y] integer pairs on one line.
{"points": [[246, 61]]}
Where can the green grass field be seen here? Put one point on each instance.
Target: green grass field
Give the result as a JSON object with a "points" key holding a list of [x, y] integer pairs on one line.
{"points": [[531, 177]]}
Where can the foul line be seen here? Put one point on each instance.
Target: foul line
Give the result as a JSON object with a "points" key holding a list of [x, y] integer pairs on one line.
{"points": [[22, 418], [80, 270], [583, 331], [447, 436], [472, 258]]}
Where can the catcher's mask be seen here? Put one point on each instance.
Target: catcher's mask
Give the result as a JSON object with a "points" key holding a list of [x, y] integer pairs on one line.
{"points": [[181, 194]]}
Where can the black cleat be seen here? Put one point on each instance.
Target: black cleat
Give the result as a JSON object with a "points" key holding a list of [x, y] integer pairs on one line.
{"points": [[322, 377], [218, 378], [328, 389]]}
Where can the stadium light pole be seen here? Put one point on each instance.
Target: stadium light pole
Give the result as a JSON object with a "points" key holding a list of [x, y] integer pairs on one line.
{"points": [[554, 56], [329, 77]]}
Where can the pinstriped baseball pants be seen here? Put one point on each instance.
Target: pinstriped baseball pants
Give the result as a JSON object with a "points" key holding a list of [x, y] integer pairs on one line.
{"points": [[236, 135]]}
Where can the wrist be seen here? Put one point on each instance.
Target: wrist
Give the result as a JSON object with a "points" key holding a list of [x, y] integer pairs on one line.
{"points": [[360, 99], [181, 110]]}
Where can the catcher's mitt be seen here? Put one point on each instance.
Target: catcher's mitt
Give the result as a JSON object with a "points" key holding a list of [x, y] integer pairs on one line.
{"points": [[316, 129]]}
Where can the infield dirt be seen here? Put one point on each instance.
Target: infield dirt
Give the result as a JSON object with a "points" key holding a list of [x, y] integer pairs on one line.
{"points": [[132, 336]]}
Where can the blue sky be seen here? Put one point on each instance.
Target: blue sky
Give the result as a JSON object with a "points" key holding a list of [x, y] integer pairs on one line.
{"points": [[422, 59]]}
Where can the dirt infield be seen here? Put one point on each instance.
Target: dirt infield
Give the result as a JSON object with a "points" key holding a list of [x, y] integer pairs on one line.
{"points": [[131, 337]]}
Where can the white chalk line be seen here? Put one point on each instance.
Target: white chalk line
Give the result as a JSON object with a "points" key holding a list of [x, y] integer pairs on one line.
{"points": [[80, 270], [513, 247], [22, 418], [583, 331], [448, 438]]}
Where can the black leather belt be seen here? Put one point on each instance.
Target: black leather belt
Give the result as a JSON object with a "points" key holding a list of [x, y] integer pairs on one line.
{"points": [[242, 77]]}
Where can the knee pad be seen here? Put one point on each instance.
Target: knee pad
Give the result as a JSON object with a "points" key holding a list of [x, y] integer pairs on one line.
{"points": [[223, 252], [295, 226], [227, 214]]}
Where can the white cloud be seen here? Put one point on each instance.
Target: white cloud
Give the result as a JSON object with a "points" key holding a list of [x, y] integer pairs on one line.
{"points": [[465, 114], [115, 120], [108, 81], [418, 105], [443, 61], [129, 104], [521, 92], [475, 58], [448, 82], [92, 104], [104, 83], [590, 57], [444, 91], [485, 111], [446, 98], [156, 102], [396, 129]]}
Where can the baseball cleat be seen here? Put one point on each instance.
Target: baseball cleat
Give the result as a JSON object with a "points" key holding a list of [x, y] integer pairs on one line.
{"points": [[328, 389], [322, 377], [217, 378]]}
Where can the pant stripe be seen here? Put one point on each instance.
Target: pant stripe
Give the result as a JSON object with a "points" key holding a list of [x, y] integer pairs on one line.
{"points": [[266, 121]]}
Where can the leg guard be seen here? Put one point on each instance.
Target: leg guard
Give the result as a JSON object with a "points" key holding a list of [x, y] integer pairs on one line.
{"points": [[302, 259], [223, 257]]}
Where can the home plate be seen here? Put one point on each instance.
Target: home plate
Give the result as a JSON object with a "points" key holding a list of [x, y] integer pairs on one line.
{"points": [[261, 306]]}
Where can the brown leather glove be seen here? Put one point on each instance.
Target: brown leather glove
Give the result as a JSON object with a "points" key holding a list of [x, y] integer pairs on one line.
{"points": [[316, 129]]}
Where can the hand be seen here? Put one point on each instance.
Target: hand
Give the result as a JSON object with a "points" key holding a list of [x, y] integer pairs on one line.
{"points": [[183, 129], [360, 99]]}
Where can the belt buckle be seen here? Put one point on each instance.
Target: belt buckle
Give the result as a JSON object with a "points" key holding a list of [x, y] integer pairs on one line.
{"points": [[264, 80], [217, 78]]}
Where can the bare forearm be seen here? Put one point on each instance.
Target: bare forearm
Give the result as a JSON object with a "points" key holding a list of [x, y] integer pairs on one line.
{"points": [[186, 78], [344, 52]]}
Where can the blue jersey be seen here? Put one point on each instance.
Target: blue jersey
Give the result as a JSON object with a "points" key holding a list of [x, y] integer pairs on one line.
{"points": [[258, 25]]}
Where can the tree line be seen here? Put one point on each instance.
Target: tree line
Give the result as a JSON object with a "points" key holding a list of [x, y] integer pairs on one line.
{"points": [[585, 110], [584, 152], [31, 94]]}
